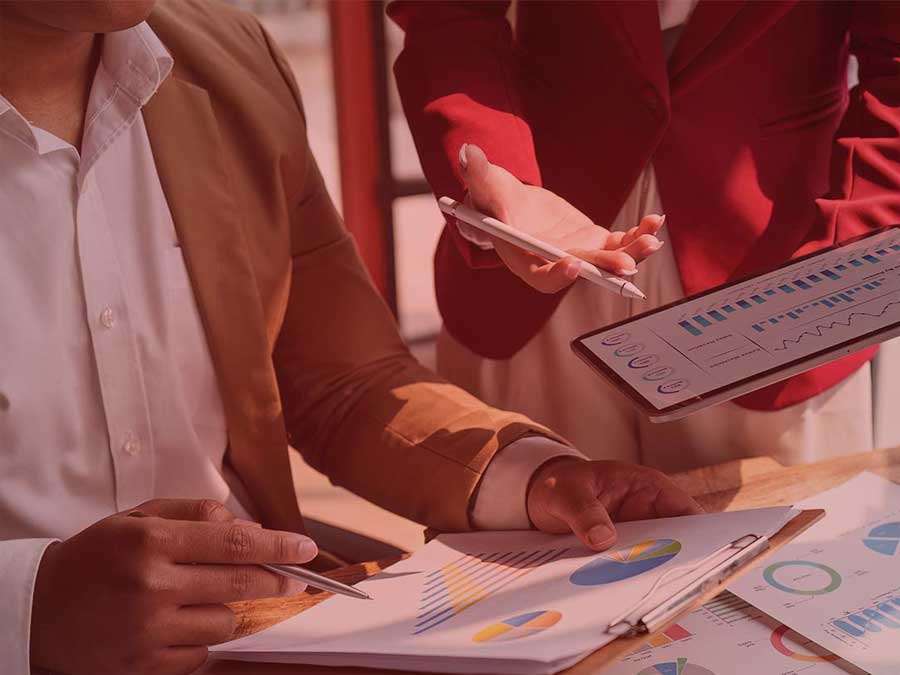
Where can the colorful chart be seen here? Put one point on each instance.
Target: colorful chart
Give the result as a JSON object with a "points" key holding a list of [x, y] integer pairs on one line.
{"points": [[518, 627], [884, 539], [626, 562], [673, 633], [677, 667], [799, 578], [788, 642], [452, 589]]}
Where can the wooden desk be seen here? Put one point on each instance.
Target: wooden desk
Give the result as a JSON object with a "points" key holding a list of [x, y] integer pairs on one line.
{"points": [[741, 484]]}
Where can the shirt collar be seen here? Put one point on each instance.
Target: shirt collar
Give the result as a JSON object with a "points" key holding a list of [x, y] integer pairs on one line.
{"points": [[135, 59]]}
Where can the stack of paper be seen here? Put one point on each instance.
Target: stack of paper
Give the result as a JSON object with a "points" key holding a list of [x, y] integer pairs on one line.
{"points": [[504, 602], [838, 583]]}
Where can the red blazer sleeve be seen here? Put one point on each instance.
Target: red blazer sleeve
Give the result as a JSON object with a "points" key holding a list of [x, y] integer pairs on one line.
{"points": [[458, 81], [865, 165]]}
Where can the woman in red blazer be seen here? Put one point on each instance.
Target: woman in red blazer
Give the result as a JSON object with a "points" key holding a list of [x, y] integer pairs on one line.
{"points": [[734, 118]]}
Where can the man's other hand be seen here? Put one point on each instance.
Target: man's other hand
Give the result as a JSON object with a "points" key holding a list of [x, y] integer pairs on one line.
{"points": [[570, 494], [543, 214], [143, 591]]}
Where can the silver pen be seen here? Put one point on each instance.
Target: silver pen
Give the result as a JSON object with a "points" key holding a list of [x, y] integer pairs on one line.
{"points": [[316, 580], [534, 245]]}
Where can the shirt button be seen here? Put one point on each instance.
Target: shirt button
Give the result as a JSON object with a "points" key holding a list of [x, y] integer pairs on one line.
{"points": [[108, 318], [132, 445]]}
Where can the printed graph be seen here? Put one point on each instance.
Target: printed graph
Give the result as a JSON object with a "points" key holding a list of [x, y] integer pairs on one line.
{"points": [[884, 539], [461, 584], [676, 667], [518, 627], [796, 647], [730, 609], [673, 633], [802, 577], [626, 562], [880, 617]]}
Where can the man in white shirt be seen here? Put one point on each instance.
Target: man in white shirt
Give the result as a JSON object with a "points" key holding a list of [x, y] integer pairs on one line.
{"points": [[179, 301]]}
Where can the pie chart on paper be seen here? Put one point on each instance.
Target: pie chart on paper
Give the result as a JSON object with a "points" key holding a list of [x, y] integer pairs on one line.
{"points": [[884, 539], [520, 626], [677, 667], [626, 562]]}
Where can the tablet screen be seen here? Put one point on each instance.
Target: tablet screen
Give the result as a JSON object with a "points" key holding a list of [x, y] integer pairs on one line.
{"points": [[738, 332]]}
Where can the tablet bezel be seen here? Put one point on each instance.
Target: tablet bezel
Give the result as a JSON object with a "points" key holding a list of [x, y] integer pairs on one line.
{"points": [[745, 385]]}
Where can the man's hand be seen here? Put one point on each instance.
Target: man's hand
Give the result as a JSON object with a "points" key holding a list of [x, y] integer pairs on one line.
{"points": [[541, 213], [570, 494], [143, 591]]}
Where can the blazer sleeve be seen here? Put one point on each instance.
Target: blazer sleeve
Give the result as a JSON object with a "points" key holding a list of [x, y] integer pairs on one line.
{"points": [[865, 166], [356, 403], [458, 78]]}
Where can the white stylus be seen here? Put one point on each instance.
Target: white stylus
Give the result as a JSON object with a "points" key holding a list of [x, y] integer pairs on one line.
{"points": [[547, 251]]}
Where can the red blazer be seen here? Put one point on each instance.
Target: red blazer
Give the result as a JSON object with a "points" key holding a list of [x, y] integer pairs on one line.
{"points": [[759, 152]]}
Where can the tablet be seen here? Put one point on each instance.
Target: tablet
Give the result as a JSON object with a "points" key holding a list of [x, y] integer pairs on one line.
{"points": [[736, 338]]}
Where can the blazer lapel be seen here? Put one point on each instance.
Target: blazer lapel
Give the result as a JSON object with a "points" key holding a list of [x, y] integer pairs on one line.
{"points": [[716, 31], [189, 157], [638, 23]]}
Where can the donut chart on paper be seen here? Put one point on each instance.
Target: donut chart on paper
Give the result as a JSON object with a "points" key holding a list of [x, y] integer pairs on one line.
{"points": [[518, 627], [626, 562], [676, 667], [806, 568], [787, 642]]}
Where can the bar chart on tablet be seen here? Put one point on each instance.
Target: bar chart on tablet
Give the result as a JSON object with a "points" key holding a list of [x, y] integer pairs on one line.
{"points": [[760, 325]]}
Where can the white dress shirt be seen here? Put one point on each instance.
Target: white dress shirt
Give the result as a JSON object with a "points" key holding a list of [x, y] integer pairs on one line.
{"points": [[108, 396]]}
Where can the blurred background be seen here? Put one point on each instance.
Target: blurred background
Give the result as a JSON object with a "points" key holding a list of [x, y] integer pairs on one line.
{"points": [[341, 54]]}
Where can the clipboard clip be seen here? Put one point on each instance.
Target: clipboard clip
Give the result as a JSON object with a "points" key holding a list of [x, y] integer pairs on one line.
{"points": [[744, 549]]}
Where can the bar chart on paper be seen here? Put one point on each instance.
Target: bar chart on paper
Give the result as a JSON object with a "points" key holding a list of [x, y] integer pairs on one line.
{"points": [[461, 584], [759, 325], [727, 631]]}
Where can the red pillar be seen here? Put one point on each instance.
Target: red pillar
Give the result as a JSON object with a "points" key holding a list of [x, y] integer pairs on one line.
{"points": [[358, 56]]}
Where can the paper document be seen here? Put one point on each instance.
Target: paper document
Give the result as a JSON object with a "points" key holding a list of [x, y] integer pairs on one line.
{"points": [[502, 602], [838, 583], [763, 324], [725, 632]]}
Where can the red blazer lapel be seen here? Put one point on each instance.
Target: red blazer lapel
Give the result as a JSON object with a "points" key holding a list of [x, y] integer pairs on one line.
{"points": [[637, 21], [716, 31]]}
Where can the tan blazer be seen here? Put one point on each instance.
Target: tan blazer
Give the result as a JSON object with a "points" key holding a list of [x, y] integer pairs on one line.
{"points": [[304, 348]]}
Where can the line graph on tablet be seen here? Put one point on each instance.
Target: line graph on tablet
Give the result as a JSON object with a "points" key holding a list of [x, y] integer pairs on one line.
{"points": [[758, 326]]}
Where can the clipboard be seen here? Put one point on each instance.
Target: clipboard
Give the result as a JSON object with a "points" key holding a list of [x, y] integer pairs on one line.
{"points": [[615, 650]]}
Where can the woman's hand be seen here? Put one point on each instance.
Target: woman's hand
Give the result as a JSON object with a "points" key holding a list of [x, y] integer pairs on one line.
{"points": [[545, 215]]}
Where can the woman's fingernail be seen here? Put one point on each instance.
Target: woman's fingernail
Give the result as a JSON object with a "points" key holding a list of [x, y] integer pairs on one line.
{"points": [[662, 220], [572, 271], [463, 162], [622, 272]]}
